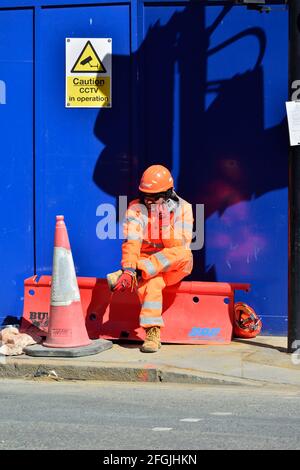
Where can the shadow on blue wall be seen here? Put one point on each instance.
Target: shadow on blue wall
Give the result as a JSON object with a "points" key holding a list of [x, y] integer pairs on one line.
{"points": [[226, 155]]}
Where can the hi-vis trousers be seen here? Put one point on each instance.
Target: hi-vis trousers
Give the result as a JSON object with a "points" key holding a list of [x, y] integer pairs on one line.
{"points": [[164, 268]]}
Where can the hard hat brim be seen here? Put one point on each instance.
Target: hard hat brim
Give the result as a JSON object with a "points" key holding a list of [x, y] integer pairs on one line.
{"points": [[155, 191]]}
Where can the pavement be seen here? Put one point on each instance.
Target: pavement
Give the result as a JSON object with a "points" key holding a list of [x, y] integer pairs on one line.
{"points": [[259, 361]]}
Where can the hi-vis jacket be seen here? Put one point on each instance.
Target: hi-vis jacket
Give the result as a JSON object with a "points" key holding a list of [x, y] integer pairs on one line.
{"points": [[144, 235]]}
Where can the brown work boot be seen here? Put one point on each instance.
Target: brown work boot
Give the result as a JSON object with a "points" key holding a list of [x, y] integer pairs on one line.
{"points": [[152, 340]]}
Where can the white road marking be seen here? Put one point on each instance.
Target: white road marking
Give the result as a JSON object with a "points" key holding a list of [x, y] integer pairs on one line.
{"points": [[191, 420], [221, 413], [161, 429], [291, 397]]}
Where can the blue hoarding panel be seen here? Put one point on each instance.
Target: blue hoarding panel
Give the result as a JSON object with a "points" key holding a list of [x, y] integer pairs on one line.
{"points": [[83, 155], [198, 88], [215, 85], [16, 150]]}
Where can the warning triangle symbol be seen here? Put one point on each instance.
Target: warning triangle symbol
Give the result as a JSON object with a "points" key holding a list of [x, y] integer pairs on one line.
{"points": [[88, 61]]}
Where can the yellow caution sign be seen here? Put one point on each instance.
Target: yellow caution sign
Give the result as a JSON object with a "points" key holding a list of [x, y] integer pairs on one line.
{"points": [[88, 72], [88, 92], [88, 61]]}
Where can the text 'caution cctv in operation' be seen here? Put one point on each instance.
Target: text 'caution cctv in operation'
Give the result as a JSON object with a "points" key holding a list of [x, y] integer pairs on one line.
{"points": [[88, 72]]}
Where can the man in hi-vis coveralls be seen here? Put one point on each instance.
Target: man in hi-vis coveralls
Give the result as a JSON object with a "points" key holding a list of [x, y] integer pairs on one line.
{"points": [[156, 251]]}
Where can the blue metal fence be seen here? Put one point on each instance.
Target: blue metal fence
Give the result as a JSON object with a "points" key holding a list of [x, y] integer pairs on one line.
{"points": [[17, 158], [199, 87]]}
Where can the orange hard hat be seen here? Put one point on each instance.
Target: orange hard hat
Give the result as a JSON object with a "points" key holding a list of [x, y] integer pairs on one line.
{"points": [[247, 323], [156, 179]]}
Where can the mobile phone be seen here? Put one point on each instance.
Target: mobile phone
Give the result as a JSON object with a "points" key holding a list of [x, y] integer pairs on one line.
{"points": [[171, 205]]}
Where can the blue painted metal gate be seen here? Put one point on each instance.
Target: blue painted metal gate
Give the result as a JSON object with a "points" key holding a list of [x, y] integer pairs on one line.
{"points": [[195, 86], [17, 157]]}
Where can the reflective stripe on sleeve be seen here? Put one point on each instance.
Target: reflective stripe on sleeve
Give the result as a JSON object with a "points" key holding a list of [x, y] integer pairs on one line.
{"points": [[162, 259], [135, 220], [149, 266], [134, 236], [184, 225]]}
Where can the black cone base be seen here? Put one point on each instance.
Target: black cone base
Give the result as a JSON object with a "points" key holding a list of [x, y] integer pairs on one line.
{"points": [[95, 347]]}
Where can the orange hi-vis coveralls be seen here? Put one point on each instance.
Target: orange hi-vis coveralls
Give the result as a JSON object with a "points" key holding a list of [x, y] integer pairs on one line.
{"points": [[162, 254]]}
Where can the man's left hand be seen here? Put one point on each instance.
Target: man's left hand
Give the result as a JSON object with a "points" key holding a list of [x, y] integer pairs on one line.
{"points": [[125, 281]]}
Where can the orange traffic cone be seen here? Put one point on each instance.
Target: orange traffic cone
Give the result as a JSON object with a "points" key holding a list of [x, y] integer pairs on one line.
{"points": [[66, 320]]}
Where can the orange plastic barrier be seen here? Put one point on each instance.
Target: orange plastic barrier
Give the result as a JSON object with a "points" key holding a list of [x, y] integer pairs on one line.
{"points": [[193, 312]]}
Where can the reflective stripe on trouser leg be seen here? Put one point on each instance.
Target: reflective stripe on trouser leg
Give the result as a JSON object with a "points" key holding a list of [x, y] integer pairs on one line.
{"points": [[150, 295], [168, 259]]}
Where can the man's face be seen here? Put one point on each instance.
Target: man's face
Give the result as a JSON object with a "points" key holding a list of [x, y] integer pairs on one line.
{"points": [[153, 199]]}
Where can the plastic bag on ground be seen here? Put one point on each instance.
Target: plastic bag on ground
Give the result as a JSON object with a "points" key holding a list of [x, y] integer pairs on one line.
{"points": [[12, 341]]}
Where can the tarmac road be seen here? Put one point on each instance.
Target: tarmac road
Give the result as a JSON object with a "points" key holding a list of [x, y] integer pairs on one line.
{"points": [[104, 415]]}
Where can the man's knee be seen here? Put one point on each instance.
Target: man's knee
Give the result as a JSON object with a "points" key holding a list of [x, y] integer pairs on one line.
{"points": [[176, 258], [176, 253], [155, 282]]}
